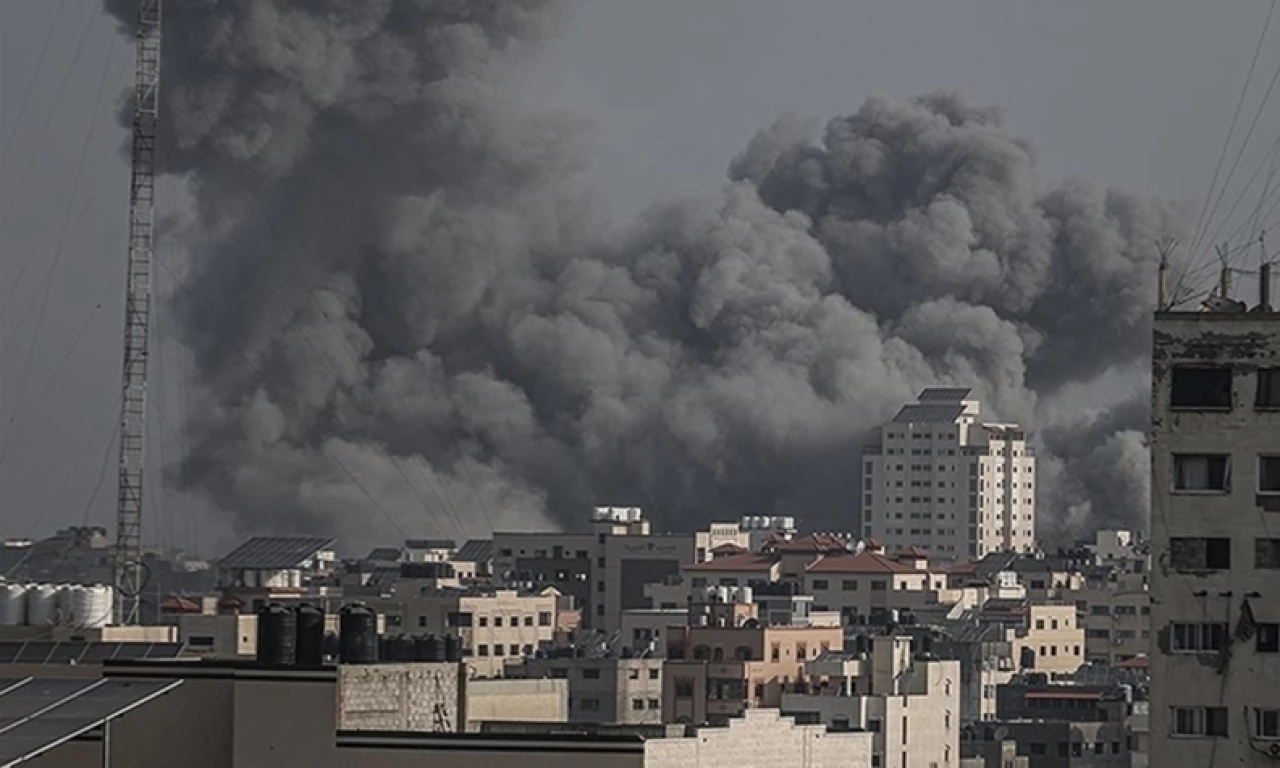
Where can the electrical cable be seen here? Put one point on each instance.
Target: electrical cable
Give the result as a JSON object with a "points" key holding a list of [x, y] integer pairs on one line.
{"points": [[31, 82]]}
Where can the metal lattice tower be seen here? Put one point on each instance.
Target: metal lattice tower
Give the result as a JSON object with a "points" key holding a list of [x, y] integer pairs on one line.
{"points": [[137, 311]]}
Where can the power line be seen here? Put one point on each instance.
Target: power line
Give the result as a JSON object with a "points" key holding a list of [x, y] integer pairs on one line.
{"points": [[31, 83], [1235, 117]]}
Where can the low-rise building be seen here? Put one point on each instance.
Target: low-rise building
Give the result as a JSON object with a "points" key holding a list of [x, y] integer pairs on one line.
{"points": [[1115, 612], [602, 690], [273, 568], [909, 703], [495, 626]]}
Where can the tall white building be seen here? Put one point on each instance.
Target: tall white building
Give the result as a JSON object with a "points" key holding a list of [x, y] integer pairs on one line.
{"points": [[943, 481]]}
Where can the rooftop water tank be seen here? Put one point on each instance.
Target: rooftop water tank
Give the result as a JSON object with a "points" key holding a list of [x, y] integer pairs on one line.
{"points": [[452, 648], [310, 636], [13, 604], [42, 604], [358, 638], [277, 635]]}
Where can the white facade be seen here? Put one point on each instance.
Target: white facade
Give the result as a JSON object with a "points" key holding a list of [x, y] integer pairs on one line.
{"points": [[941, 480], [1215, 540]]}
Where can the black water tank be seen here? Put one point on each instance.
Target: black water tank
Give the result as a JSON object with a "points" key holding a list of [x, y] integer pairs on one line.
{"points": [[1028, 660], [393, 648], [310, 636], [433, 648], [452, 648], [358, 638], [332, 646], [277, 630], [862, 644], [926, 643]]}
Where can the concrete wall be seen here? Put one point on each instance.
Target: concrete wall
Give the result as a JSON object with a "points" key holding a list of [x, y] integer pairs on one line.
{"points": [[1244, 343], [516, 700], [761, 739], [400, 697]]}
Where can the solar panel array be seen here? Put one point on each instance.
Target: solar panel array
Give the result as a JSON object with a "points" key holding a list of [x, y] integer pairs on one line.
{"points": [[38, 714], [83, 653], [274, 552]]}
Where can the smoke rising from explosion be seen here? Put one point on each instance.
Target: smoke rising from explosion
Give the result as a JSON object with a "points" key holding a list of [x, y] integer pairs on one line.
{"points": [[403, 314]]}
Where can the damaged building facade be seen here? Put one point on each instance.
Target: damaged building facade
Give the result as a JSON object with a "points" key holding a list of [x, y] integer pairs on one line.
{"points": [[1215, 534]]}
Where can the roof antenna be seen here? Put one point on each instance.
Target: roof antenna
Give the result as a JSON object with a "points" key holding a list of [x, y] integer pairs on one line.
{"points": [[1164, 246], [1224, 276]]}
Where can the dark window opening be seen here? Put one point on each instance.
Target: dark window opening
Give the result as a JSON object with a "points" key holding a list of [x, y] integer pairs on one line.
{"points": [[1201, 388], [1269, 388], [1266, 553], [1190, 554], [1269, 474], [1268, 638], [1201, 472]]}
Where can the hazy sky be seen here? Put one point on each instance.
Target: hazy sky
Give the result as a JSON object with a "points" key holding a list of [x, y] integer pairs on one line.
{"points": [[1135, 93]]}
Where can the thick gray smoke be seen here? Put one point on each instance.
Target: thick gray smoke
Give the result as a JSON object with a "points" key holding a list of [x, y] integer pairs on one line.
{"points": [[402, 314]]}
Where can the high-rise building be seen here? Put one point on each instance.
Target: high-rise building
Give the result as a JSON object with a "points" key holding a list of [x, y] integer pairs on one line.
{"points": [[943, 481], [1215, 538]]}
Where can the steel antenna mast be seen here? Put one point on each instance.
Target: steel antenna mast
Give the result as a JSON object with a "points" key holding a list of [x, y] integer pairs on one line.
{"points": [[129, 571]]}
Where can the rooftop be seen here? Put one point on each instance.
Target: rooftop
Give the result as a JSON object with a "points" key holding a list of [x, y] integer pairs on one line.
{"points": [[744, 561], [275, 552], [430, 544], [929, 414], [475, 551], [384, 554], [813, 543], [944, 394], [863, 562]]}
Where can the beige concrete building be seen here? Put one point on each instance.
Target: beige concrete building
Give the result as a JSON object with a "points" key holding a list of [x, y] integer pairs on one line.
{"points": [[1215, 542], [495, 626], [603, 690], [718, 672], [1053, 633], [604, 570], [939, 479], [865, 587], [911, 706], [1115, 614], [530, 701]]}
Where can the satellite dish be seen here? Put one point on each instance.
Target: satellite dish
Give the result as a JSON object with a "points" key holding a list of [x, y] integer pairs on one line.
{"points": [[1000, 734]]}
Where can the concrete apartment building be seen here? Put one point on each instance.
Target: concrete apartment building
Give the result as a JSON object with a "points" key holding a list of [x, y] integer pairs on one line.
{"points": [[495, 626], [1046, 634], [909, 704], [941, 480], [1115, 613], [866, 587], [602, 690], [604, 570], [725, 662], [1215, 536]]}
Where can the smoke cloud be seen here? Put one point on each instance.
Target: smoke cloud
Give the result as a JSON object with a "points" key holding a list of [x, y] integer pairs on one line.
{"points": [[405, 317]]}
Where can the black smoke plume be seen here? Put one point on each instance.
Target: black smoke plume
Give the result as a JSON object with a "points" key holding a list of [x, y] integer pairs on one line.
{"points": [[403, 314]]}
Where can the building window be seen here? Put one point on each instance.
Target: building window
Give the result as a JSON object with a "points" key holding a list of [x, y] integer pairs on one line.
{"points": [[589, 705], [1038, 748], [1195, 637], [1201, 473], [200, 641], [591, 673], [1267, 724], [1201, 388], [1269, 388], [878, 586], [527, 650], [501, 650], [544, 618], [1192, 554], [528, 620], [482, 650], [1268, 638], [1266, 553], [1199, 721], [497, 621], [1269, 474], [633, 674], [637, 704], [655, 704], [654, 674], [484, 621]]}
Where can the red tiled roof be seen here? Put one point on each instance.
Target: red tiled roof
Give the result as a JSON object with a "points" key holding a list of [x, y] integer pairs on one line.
{"points": [[913, 552], [1137, 662], [743, 561], [179, 605], [863, 562], [812, 543], [728, 548]]}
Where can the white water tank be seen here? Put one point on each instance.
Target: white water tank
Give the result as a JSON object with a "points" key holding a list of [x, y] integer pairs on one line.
{"points": [[86, 606], [13, 604], [71, 598], [42, 604]]}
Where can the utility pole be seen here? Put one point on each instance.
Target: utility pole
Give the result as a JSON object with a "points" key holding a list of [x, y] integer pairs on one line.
{"points": [[129, 572]]}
